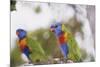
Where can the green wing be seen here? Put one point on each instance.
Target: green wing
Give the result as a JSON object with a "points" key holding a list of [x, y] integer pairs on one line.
{"points": [[37, 50], [74, 50]]}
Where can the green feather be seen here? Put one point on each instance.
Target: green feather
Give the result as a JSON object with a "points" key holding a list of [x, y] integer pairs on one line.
{"points": [[74, 50], [37, 50]]}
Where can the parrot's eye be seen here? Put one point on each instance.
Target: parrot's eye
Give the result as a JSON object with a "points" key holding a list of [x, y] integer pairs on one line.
{"points": [[56, 26]]}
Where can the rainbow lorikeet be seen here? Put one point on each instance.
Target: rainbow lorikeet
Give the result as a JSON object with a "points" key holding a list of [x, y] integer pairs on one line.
{"points": [[66, 41], [60, 35], [22, 43]]}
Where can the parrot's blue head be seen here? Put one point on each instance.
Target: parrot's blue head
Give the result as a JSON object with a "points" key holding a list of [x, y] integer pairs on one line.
{"points": [[57, 28], [21, 33]]}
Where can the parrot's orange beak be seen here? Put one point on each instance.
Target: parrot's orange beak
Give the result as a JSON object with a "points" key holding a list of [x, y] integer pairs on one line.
{"points": [[52, 29], [17, 33]]}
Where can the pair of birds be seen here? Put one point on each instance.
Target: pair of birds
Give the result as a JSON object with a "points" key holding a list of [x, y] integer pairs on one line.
{"points": [[66, 41]]}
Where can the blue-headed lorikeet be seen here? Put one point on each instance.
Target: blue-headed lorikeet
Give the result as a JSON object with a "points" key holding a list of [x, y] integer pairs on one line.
{"points": [[22, 42], [60, 35], [25, 42], [66, 41]]}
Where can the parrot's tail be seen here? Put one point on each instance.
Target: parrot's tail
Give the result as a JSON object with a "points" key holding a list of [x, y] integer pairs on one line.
{"points": [[30, 60]]}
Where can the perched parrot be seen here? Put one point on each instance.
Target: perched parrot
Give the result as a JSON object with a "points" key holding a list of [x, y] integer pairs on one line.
{"points": [[25, 42], [60, 35], [22, 43], [66, 41]]}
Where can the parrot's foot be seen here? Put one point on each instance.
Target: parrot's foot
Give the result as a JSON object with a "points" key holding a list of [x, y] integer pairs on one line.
{"points": [[70, 61], [66, 60]]}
